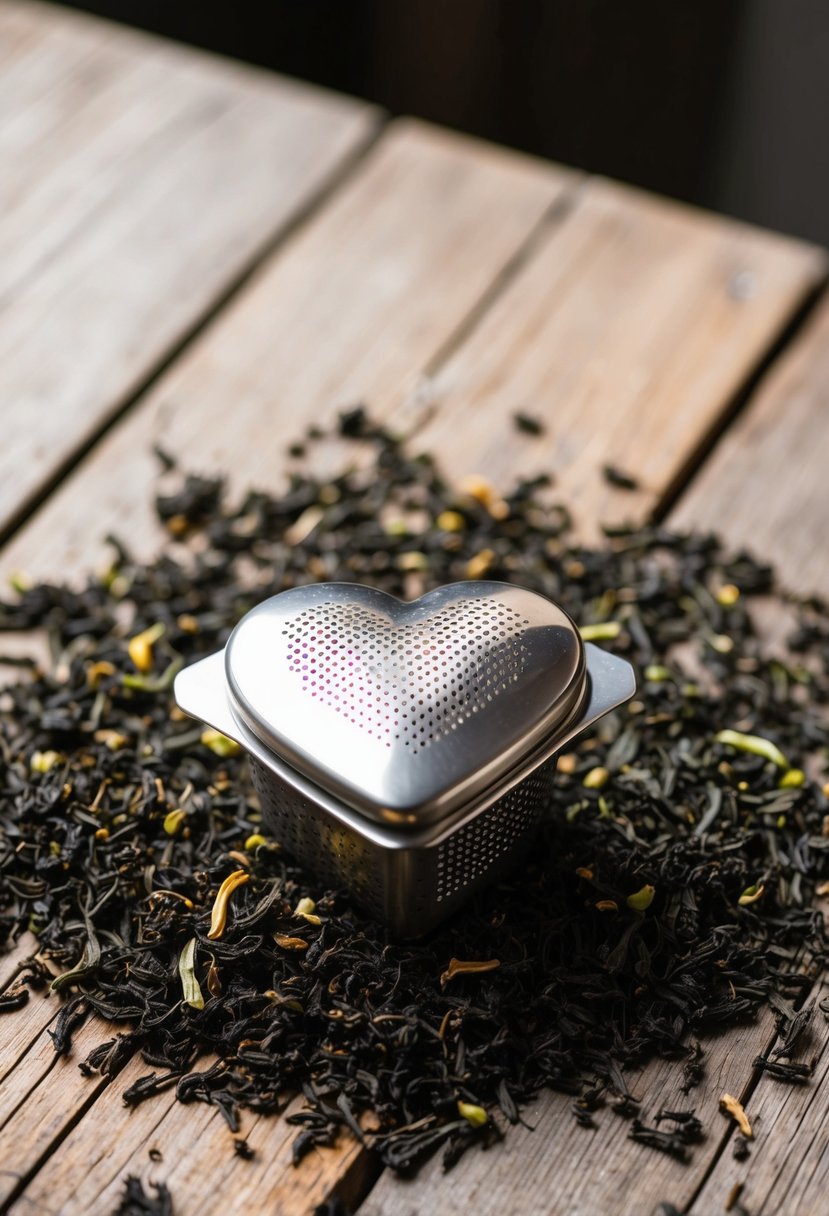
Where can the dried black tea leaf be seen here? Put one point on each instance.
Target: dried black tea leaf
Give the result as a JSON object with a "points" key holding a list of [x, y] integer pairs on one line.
{"points": [[670, 890], [136, 1201]]}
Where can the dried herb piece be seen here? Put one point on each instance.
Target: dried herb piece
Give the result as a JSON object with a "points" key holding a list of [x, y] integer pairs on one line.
{"points": [[734, 1108], [606, 631], [475, 1116], [359, 1023], [754, 744], [186, 969], [140, 648], [218, 917], [642, 899]]}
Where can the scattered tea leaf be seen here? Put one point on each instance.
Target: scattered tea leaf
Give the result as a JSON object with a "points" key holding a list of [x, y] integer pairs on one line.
{"points": [[754, 744], [187, 971], [476, 1116], [621, 481], [527, 423], [219, 744], [642, 899], [83, 843], [751, 894], [457, 966], [605, 631], [218, 917]]}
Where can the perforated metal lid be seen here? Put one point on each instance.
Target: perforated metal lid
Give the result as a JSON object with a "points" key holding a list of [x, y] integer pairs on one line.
{"points": [[405, 711]]}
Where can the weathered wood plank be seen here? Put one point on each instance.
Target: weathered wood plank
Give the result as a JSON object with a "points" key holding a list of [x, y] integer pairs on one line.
{"points": [[197, 1160], [628, 335], [355, 309], [496, 418], [138, 186], [764, 488], [357, 304], [556, 1166], [641, 391], [765, 484], [22, 1029], [14, 957], [41, 45], [36, 54], [40, 1101], [788, 1170], [19, 1029]]}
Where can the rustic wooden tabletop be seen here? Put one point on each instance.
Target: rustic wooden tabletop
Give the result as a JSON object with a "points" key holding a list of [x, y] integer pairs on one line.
{"points": [[198, 253]]}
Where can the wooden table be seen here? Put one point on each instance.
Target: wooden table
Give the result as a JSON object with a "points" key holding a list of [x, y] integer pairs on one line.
{"points": [[198, 253]]}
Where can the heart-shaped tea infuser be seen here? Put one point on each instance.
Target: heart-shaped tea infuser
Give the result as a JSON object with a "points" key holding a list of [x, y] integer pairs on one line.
{"points": [[419, 729]]}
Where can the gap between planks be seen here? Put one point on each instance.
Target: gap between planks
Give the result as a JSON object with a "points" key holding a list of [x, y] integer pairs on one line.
{"points": [[155, 372], [741, 493], [785, 413], [614, 209], [502, 226], [141, 182], [790, 1174], [768, 365]]}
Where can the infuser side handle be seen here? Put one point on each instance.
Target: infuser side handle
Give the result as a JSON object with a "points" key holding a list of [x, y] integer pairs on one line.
{"points": [[200, 690], [612, 683]]}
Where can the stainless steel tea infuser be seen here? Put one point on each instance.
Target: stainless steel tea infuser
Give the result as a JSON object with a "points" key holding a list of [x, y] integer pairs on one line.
{"points": [[404, 750]]}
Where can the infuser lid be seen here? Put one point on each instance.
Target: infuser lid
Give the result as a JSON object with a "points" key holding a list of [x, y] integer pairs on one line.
{"points": [[405, 711]]}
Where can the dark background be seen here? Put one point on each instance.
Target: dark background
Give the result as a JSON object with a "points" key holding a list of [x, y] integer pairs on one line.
{"points": [[721, 102]]}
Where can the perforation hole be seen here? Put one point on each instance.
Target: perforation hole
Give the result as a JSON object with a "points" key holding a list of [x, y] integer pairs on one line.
{"points": [[475, 848], [360, 664]]}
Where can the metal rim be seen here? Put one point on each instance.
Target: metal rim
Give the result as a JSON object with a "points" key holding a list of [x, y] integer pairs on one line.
{"points": [[392, 784]]}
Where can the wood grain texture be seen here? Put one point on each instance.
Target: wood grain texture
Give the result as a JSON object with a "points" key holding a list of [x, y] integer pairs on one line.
{"points": [[766, 484], [353, 309], [641, 387], [41, 1099], [764, 487], [13, 957], [140, 180], [788, 1171], [628, 335], [349, 306], [554, 1165], [197, 1160], [22, 1029], [628, 325]]}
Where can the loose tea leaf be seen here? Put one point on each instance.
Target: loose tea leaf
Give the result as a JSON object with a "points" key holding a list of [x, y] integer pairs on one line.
{"points": [[642, 899], [528, 423], [135, 1201], [457, 966], [623, 934], [622, 481], [189, 983], [754, 744], [218, 916], [474, 1115]]}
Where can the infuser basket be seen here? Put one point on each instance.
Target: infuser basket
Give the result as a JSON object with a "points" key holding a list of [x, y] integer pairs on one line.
{"points": [[404, 751]]}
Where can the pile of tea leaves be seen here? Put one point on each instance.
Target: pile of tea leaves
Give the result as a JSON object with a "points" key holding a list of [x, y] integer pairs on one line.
{"points": [[673, 889]]}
